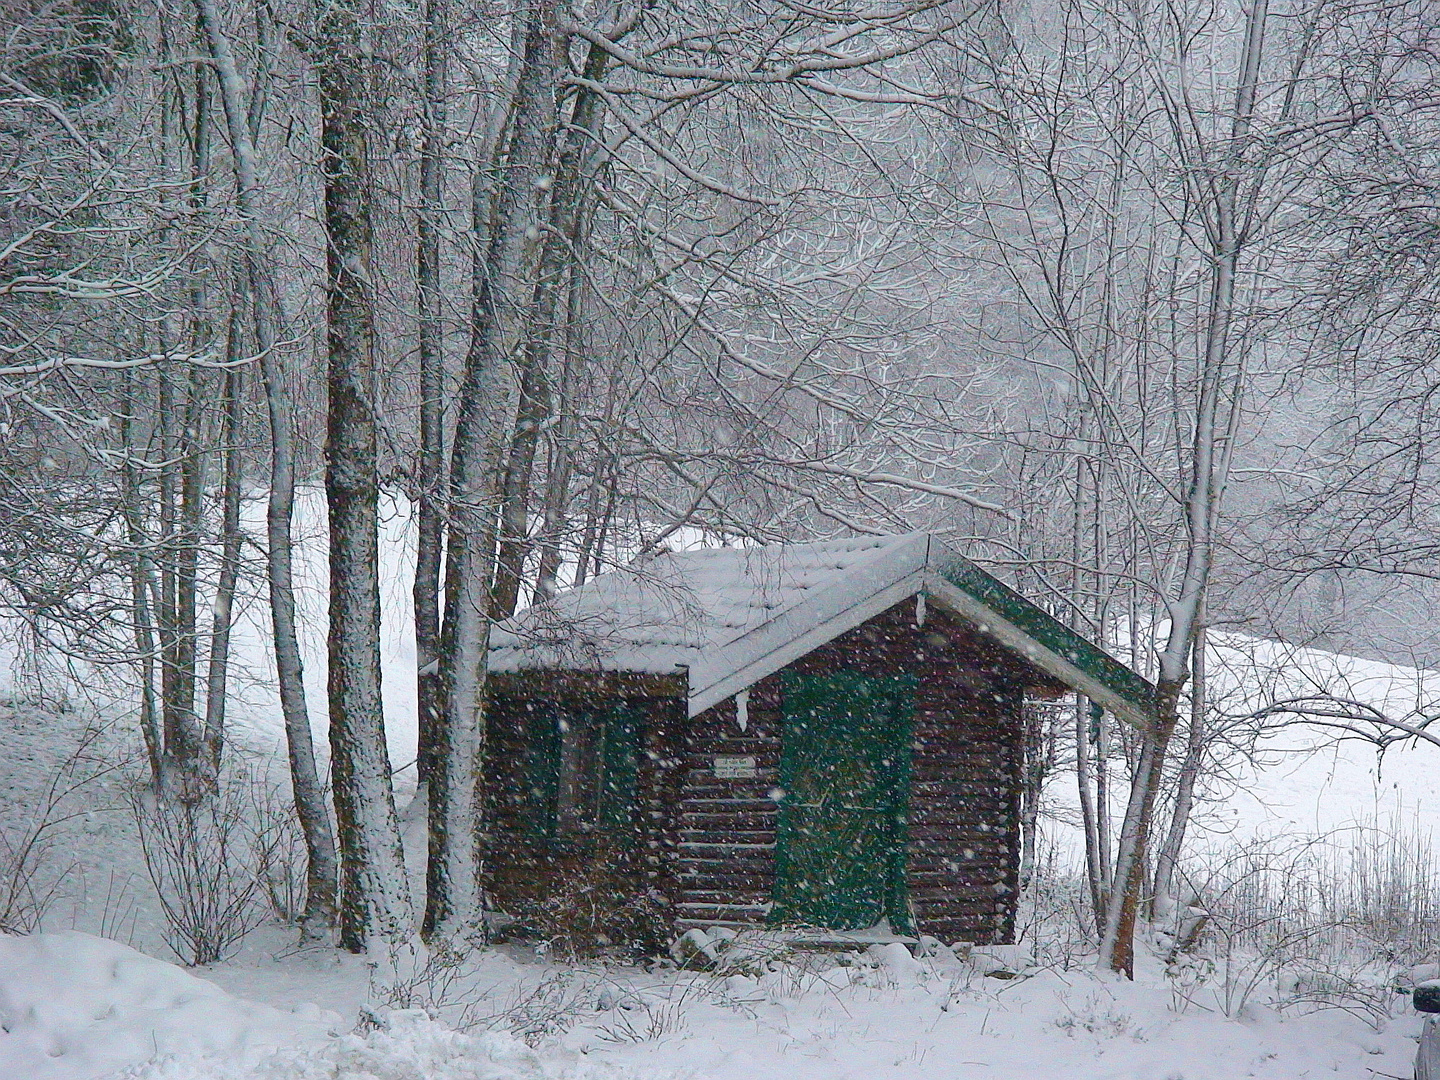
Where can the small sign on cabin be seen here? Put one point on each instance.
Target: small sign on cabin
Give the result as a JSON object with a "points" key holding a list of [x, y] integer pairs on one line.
{"points": [[731, 767]]}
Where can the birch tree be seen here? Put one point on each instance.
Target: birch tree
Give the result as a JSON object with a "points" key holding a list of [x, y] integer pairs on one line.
{"points": [[374, 892], [452, 897], [242, 123]]}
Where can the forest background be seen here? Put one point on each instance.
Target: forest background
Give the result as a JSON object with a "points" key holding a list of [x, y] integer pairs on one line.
{"points": [[1133, 302]]}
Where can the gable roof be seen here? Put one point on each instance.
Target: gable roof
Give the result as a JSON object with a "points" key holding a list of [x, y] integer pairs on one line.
{"points": [[732, 616]]}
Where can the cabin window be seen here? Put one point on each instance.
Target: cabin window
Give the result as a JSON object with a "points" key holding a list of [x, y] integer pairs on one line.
{"points": [[581, 766], [577, 793]]}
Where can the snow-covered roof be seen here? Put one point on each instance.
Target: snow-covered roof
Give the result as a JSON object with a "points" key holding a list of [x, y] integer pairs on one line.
{"points": [[731, 616]]}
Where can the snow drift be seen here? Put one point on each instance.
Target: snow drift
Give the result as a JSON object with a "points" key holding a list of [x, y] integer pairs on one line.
{"points": [[74, 1006]]}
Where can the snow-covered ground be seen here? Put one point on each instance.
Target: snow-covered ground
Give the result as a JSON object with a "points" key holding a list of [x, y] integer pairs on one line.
{"points": [[77, 1006]]}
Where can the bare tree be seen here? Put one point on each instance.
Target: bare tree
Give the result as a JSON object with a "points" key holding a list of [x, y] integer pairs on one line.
{"points": [[1137, 220], [242, 119], [374, 893], [508, 235]]}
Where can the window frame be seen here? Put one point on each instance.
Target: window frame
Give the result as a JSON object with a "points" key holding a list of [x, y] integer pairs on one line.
{"points": [[582, 770]]}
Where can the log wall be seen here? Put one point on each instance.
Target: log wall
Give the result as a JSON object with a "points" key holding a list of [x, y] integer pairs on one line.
{"points": [[707, 845], [520, 868], [964, 822]]}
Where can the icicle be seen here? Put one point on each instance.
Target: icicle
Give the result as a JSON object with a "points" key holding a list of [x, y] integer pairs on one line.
{"points": [[920, 609], [742, 710]]}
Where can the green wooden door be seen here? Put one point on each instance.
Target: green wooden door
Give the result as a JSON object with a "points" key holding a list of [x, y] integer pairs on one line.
{"points": [[845, 771]]}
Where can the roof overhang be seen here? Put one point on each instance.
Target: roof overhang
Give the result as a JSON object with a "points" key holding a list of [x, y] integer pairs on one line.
{"points": [[958, 602], [926, 566]]}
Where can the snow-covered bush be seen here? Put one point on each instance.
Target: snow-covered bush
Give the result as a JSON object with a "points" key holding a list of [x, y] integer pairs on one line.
{"points": [[199, 855], [30, 874], [439, 979], [1324, 922], [1099, 1016], [551, 1007], [1297, 924], [594, 911], [648, 1017], [278, 846], [1054, 918]]}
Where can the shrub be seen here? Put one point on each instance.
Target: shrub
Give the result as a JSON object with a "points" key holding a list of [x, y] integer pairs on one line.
{"points": [[29, 881], [1316, 923], [593, 912], [198, 856], [278, 847]]}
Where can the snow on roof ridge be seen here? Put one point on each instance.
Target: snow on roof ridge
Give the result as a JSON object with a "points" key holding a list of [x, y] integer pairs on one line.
{"points": [[732, 616], [702, 599]]}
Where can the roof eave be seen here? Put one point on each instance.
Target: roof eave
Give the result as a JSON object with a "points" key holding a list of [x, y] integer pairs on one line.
{"points": [[994, 625]]}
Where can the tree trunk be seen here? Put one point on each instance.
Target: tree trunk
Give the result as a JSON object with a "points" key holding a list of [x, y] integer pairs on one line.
{"points": [[184, 741], [452, 895], [1118, 944], [554, 522], [1039, 758], [514, 515], [1169, 856], [430, 474], [321, 872], [1209, 463], [1104, 826], [374, 893], [221, 613], [594, 507], [167, 604], [552, 526], [1085, 780], [140, 583], [183, 736], [561, 238]]}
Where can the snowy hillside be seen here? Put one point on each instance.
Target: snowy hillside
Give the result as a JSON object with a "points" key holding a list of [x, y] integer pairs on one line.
{"points": [[1301, 778]]}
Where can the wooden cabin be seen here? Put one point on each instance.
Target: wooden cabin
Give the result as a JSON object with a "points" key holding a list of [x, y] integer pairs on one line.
{"points": [[823, 735]]}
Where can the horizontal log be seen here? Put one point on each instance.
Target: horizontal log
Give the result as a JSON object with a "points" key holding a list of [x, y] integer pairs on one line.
{"points": [[953, 932], [753, 743], [698, 911], [750, 879], [736, 924], [731, 792], [718, 845], [743, 820], [509, 689], [722, 892], [938, 836], [942, 886], [755, 878], [726, 849], [967, 901]]}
